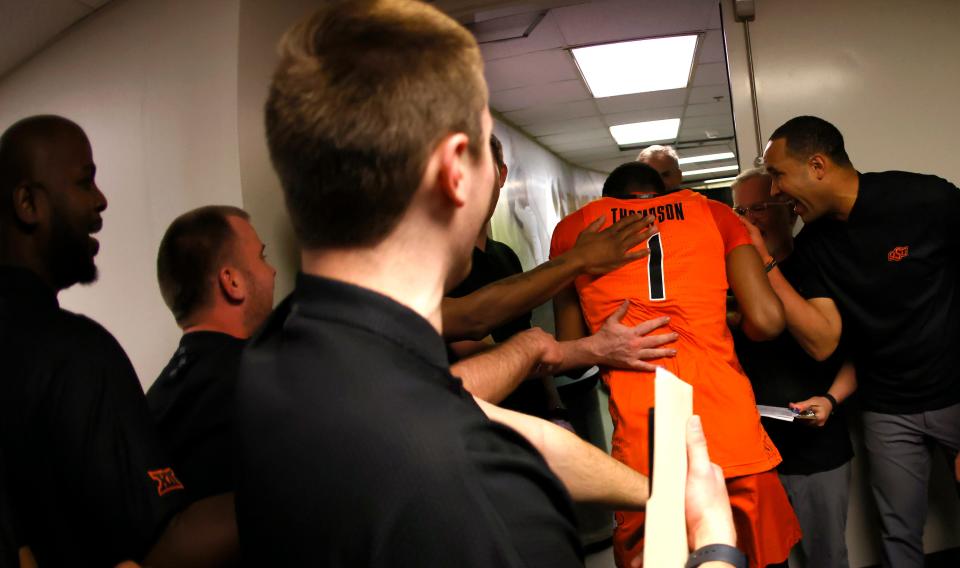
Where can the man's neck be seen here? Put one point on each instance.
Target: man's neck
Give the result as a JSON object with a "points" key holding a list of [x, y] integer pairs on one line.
{"points": [[13, 253], [218, 322], [483, 238], [783, 251], [843, 199], [394, 268]]}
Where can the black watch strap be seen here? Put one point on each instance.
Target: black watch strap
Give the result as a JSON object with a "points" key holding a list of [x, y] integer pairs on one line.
{"points": [[833, 402], [717, 553]]}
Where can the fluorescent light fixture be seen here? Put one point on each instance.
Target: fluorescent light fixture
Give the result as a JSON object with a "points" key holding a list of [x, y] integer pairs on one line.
{"points": [[637, 66], [707, 158], [718, 180], [639, 132], [711, 170]]}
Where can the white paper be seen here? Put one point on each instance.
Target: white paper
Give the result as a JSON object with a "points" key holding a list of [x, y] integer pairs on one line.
{"points": [[777, 412], [666, 530]]}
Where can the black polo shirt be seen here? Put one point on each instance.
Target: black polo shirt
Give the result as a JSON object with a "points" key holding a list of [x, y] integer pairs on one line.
{"points": [[496, 262], [192, 403], [358, 448], [88, 478], [892, 269], [8, 537], [781, 372]]}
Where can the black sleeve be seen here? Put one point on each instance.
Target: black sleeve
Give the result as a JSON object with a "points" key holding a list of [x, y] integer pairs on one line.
{"points": [[803, 271], [9, 546], [107, 450]]}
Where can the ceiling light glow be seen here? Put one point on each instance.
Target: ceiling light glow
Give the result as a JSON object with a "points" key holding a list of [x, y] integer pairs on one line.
{"points": [[639, 66], [707, 158], [639, 132], [711, 170]]}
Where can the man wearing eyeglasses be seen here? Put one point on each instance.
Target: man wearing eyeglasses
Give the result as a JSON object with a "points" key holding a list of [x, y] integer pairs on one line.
{"points": [[816, 450]]}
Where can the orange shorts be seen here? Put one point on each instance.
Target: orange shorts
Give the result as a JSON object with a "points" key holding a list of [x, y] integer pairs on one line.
{"points": [[766, 526]]}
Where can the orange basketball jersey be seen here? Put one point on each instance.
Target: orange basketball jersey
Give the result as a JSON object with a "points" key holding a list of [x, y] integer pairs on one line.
{"points": [[684, 277]]}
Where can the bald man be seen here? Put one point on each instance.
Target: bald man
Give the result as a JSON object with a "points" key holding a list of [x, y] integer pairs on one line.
{"points": [[664, 159], [92, 487]]}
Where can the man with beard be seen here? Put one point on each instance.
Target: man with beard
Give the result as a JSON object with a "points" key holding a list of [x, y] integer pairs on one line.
{"points": [[91, 486]]}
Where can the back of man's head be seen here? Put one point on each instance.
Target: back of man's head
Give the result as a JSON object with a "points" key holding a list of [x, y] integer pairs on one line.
{"points": [[191, 252], [19, 146], [633, 178], [363, 92], [808, 135]]}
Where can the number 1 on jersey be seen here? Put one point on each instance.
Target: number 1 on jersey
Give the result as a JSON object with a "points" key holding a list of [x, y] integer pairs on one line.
{"points": [[658, 290]]}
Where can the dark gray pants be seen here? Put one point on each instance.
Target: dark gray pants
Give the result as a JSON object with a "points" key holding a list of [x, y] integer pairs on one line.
{"points": [[820, 501], [899, 452]]}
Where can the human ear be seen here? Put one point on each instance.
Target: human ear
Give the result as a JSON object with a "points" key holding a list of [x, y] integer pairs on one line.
{"points": [[232, 284], [818, 164], [24, 200], [451, 156]]}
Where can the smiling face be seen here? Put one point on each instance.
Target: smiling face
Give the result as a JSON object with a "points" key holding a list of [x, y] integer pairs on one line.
{"points": [[773, 218], [796, 178], [63, 177]]}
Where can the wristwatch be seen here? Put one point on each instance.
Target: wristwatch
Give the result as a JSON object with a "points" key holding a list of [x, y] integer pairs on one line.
{"points": [[770, 265], [717, 553]]}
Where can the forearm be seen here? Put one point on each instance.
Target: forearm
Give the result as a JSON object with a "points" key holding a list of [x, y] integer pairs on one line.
{"points": [[845, 383], [813, 331], [578, 354], [590, 475], [493, 374], [475, 315]]}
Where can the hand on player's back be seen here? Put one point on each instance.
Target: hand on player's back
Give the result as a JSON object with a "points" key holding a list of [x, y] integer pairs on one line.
{"points": [[600, 252]]}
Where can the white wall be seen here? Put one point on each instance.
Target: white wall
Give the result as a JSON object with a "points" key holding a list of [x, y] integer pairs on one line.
{"points": [[261, 26], [886, 73], [541, 189], [154, 84]]}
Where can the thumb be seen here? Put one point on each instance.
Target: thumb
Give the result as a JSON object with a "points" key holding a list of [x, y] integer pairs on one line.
{"points": [[698, 457], [617, 316]]}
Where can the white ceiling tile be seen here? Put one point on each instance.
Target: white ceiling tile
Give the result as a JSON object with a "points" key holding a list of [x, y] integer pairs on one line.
{"points": [[545, 36], [601, 22], [715, 22], [709, 74], [642, 115], [656, 99], [597, 134], [537, 95], [722, 107], [530, 69], [711, 47], [699, 95], [591, 154], [584, 144], [693, 133], [708, 122], [26, 27], [557, 112], [556, 127]]}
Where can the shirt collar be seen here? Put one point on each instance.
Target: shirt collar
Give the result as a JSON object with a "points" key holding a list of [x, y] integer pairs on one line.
{"points": [[333, 300], [27, 288]]}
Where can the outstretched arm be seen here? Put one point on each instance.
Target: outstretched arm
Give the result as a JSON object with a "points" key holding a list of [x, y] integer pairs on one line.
{"points": [[814, 323], [493, 374], [596, 252], [590, 475], [761, 310]]}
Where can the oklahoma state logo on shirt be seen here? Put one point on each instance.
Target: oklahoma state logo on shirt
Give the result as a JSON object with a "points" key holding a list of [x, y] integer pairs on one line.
{"points": [[898, 254], [166, 480]]}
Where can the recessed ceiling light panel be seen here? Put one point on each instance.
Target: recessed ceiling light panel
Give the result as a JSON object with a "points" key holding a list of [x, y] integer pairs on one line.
{"points": [[637, 66], [640, 132], [711, 170], [707, 158]]}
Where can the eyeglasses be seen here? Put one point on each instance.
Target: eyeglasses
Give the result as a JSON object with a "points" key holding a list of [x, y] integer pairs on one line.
{"points": [[759, 208]]}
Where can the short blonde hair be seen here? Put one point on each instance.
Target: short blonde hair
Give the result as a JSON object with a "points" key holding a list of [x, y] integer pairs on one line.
{"points": [[363, 92]]}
